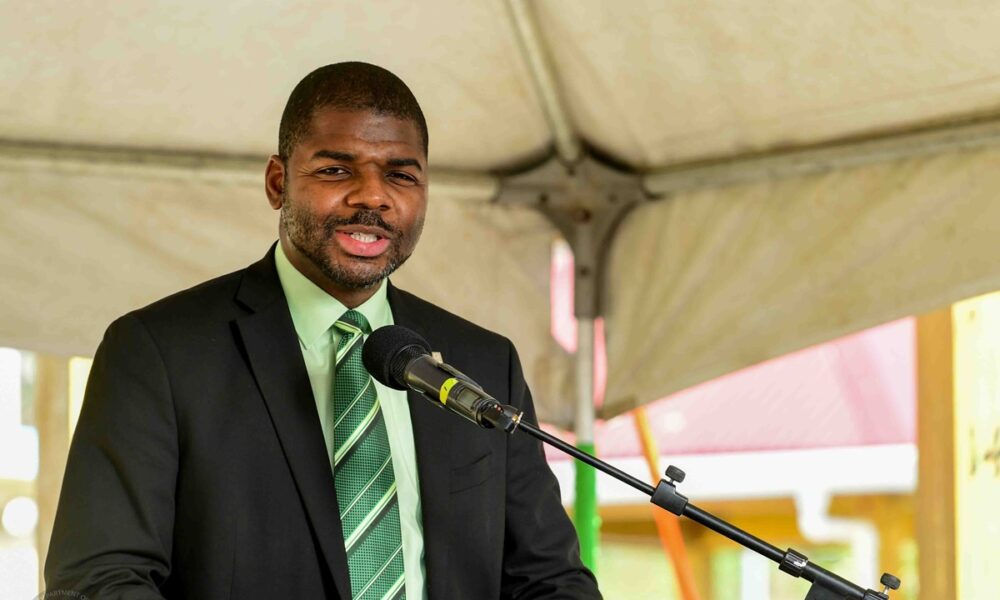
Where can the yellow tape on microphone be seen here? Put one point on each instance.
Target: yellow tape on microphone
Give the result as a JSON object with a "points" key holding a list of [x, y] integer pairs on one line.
{"points": [[446, 389]]}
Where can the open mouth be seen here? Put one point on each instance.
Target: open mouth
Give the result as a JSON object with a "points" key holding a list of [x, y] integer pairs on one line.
{"points": [[366, 244]]}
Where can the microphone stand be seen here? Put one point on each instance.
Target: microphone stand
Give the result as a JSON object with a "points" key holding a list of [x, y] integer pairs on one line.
{"points": [[825, 584]]}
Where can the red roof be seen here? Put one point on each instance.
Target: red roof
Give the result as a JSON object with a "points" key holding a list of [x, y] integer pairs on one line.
{"points": [[856, 390]]}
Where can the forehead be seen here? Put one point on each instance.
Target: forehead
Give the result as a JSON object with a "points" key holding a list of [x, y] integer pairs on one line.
{"points": [[360, 131]]}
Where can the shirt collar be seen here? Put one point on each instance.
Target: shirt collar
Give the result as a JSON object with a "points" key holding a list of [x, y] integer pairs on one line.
{"points": [[314, 311]]}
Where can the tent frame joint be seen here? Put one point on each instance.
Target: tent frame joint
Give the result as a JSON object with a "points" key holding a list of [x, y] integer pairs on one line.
{"points": [[586, 202]]}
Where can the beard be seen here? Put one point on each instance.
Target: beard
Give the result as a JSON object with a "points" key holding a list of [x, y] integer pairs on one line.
{"points": [[315, 238]]}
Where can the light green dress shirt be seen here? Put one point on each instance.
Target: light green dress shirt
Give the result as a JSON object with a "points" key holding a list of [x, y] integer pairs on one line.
{"points": [[313, 314]]}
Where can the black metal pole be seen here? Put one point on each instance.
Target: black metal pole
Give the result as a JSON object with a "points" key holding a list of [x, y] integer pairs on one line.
{"points": [[595, 462], [825, 583], [734, 533]]}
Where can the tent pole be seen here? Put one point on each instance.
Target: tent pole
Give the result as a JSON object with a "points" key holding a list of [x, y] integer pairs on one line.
{"points": [[588, 523], [586, 203], [567, 143], [823, 158]]}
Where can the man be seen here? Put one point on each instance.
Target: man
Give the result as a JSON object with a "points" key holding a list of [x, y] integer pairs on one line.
{"points": [[230, 445]]}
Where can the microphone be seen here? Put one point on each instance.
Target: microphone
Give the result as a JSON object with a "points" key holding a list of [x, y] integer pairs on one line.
{"points": [[401, 359]]}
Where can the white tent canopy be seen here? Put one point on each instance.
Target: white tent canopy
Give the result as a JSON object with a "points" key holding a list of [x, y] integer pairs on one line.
{"points": [[133, 139]]}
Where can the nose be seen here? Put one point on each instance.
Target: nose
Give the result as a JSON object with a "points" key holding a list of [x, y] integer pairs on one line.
{"points": [[371, 190]]}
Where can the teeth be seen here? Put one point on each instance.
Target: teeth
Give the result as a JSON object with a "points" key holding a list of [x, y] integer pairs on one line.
{"points": [[364, 237]]}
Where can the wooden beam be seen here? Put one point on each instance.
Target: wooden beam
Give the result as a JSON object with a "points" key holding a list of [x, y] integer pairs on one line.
{"points": [[936, 448], [976, 323], [52, 418]]}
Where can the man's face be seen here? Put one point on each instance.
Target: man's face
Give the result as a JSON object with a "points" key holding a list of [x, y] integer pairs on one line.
{"points": [[352, 197]]}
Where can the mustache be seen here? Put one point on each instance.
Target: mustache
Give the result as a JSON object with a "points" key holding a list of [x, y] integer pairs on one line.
{"points": [[365, 217]]}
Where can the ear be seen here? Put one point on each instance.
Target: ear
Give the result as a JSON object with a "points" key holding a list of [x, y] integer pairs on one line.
{"points": [[274, 181]]}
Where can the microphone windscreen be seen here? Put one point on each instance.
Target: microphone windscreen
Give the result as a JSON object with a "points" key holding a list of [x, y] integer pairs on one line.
{"points": [[387, 352]]}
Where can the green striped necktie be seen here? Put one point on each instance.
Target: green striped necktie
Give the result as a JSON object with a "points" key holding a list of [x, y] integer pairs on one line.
{"points": [[366, 484]]}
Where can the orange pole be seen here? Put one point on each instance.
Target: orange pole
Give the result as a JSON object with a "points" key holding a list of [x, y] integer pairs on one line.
{"points": [[667, 524]]}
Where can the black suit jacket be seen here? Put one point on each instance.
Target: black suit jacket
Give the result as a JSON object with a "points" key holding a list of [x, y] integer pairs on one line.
{"points": [[198, 468]]}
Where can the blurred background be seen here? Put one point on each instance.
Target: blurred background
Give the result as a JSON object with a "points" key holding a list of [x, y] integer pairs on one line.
{"points": [[756, 240]]}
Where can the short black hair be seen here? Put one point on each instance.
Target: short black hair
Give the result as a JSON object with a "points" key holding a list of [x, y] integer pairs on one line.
{"points": [[346, 86]]}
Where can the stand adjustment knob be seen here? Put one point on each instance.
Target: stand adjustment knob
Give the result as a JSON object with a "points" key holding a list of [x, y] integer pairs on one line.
{"points": [[674, 474], [890, 581]]}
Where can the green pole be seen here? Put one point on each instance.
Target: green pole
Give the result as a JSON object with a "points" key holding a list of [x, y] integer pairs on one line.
{"points": [[585, 517], [588, 524]]}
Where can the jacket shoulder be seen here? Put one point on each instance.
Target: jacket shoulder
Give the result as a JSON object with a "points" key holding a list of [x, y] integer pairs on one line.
{"points": [[198, 307], [455, 325]]}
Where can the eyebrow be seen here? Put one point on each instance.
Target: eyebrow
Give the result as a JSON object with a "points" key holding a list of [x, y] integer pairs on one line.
{"points": [[405, 162], [348, 157], [333, 155]]}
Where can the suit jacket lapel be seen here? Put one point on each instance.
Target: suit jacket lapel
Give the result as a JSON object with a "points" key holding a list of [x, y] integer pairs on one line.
{"points": [[433, 442], [276, 361]]}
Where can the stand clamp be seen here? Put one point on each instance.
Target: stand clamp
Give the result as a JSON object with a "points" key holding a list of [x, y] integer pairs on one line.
{"points": [[889, 582], [794, 563], [666, 495]]}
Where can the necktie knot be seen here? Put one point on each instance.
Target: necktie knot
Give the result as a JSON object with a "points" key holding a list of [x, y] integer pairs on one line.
{"points": [[353, 322]]}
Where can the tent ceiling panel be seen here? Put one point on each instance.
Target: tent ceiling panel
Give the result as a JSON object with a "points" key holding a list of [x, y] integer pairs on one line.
{"points": [[653, 83], [710, 282], [214, 76], [703, 284], [656, 83], [81, 250]]}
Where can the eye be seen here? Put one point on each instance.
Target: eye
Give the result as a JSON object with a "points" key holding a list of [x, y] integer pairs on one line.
{"points": [[332, 171], [403, 177]]}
